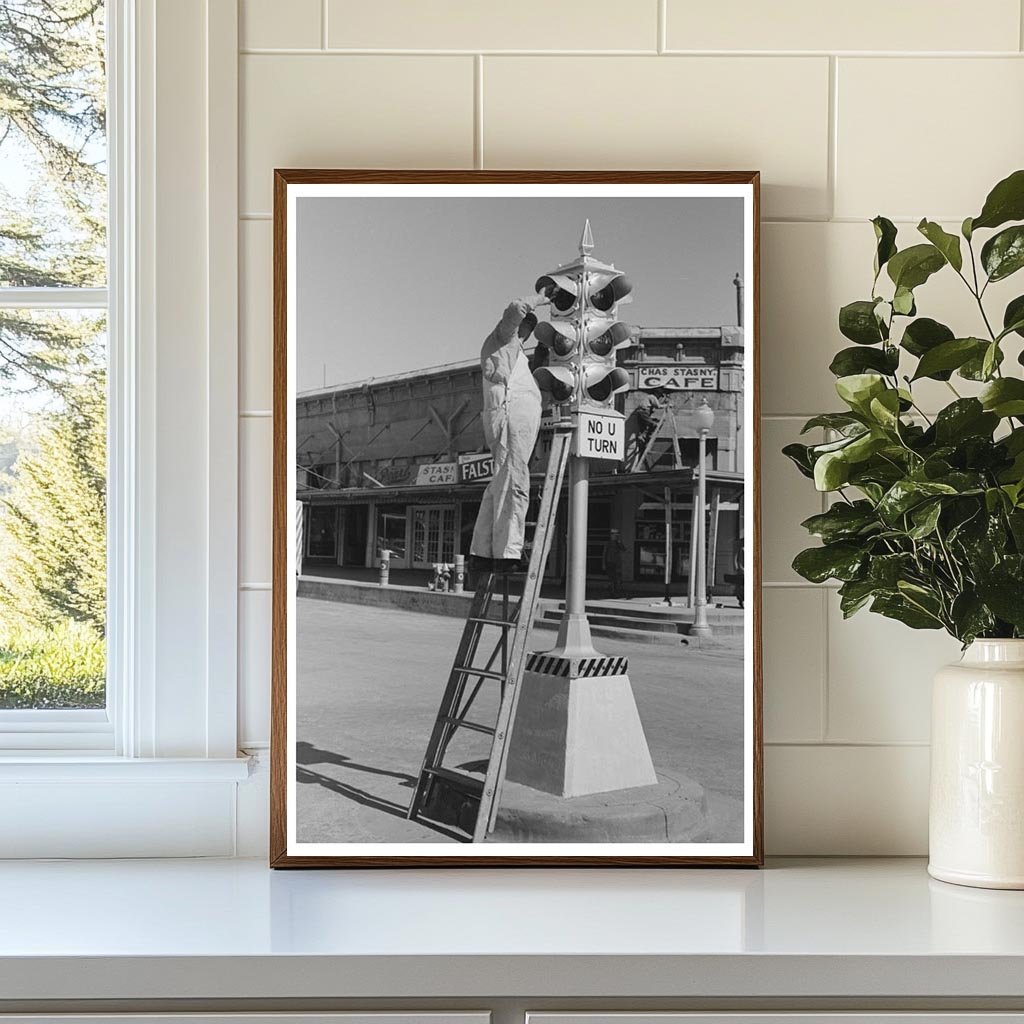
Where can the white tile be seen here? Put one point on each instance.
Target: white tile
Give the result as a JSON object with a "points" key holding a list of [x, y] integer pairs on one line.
{"points": [[867, 25], [880, 676], [270, 24], [254, 611], [962, 131], [808, 272], [254, 504], [846, 801], [787, 499], [689, 113], [351, 111], [476, 25], [255, 318], [793, 635]]}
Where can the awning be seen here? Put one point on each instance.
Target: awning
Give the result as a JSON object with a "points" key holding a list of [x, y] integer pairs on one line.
{"points": [[604, 483]]}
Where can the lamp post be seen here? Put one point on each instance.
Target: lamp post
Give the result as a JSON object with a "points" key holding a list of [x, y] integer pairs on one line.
{"points": [[705, 417]]}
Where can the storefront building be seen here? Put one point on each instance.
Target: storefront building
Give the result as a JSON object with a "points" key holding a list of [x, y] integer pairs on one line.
{"points": [[400, 463]]}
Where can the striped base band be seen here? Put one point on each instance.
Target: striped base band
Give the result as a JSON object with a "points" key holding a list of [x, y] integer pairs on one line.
{"points": [[577, 668]]}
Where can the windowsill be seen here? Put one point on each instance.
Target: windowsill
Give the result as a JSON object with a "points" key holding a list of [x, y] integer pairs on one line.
{"points": [[77, 766], [815, 929]]}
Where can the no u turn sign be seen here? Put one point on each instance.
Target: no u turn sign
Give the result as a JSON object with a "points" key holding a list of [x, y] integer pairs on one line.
{"points": [[601, 436]]}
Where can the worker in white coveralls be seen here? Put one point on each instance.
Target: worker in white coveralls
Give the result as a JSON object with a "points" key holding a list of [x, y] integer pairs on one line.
{"points": [[511, 419]]}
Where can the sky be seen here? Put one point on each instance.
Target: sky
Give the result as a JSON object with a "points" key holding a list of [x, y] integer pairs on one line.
{"points": [[386, 285]]}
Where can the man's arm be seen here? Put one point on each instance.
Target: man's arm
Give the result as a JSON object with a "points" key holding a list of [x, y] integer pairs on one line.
{"points": [[501, 349]]}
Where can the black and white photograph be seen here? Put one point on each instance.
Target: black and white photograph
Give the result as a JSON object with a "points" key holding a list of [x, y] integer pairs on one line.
{"points": [[515, 502]]}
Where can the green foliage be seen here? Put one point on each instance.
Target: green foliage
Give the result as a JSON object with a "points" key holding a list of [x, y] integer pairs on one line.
{"points": [[62, 667], [53, 520], [927, 526], [52, 125]]}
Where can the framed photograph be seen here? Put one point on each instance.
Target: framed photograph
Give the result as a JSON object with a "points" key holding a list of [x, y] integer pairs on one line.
{"points": [[516, 548]]}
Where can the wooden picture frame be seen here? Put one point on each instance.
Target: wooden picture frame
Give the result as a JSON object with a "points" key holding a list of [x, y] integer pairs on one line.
{"points": [[341, 799]]}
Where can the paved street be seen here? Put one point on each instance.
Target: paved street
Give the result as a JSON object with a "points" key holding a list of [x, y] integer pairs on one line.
{"points": [[370, 681]]}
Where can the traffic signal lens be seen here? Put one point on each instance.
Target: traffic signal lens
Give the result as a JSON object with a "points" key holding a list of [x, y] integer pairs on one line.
{"points": [[557, 381], [601, 385], [611, 292], [560, 338], [560, 289], [617, 335]]}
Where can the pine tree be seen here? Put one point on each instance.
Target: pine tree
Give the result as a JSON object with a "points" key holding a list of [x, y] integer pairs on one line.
{"points": [[52, 122], [53, 521]]}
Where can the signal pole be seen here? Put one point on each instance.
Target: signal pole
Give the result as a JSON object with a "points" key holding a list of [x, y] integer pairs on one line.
{"points": [[577, 730]]}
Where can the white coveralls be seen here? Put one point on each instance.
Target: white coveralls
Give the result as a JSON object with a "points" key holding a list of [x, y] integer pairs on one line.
{"points": [[511, 420]]}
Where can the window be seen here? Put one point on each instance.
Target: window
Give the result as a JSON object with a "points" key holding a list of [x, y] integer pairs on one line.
{"points": [[53, 361]]}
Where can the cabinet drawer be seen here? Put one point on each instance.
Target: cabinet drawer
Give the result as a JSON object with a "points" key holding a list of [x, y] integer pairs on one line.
{"points": [[357, 1017], [852, 1017]]}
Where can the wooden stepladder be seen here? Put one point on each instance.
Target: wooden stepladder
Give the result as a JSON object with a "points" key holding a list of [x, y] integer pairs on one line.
{"points": [[648, 458], [492, 650]]}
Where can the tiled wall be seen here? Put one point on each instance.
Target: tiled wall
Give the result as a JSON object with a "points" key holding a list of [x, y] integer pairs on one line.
{"points": [[908, 109]]}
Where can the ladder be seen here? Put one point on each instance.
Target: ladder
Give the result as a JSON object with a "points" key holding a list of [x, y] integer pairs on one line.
{"points": [[640, 462], [492, 651]]}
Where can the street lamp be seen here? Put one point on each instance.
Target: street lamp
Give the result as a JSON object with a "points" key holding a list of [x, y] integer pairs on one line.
{"points": [[705, 420]]}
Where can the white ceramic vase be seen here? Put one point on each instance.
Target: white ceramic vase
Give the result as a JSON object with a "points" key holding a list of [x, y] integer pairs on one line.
{"points": [[976, 816]]}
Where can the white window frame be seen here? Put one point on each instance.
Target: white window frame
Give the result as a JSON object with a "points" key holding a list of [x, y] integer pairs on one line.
{"points": [[170, 729]]}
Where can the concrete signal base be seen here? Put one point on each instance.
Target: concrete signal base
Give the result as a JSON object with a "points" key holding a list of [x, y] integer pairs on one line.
{"points": [[674, 810], [577, 730], [579, 770]]}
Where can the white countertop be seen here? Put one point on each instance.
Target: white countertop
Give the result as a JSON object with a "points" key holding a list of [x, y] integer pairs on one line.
{"points": [[235, 929]]}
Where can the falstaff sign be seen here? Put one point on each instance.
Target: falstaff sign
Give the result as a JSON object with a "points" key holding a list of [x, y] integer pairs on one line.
{"points": [[473, 468], [677, 378]]}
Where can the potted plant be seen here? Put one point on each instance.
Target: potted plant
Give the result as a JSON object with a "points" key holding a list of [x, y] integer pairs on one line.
{"points": [[927, 521]]}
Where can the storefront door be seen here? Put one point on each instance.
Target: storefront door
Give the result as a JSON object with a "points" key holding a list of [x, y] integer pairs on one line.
{"points": [[433, 535]]}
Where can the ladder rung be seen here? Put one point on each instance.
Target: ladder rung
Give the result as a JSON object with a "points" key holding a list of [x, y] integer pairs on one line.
{"points": [[468, 670], [491, 622], [462, 723], [458, 778]]}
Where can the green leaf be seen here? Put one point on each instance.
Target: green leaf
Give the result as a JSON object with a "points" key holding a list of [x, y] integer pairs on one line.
{"points": [[912, 267], [857, 321], [965, 229], [1013, 317], [885, 409], [854, 594], [858, 389], [833, 420], [850, 361], [885, 571], [923, 335], [1004, 595], [843, 521], [831, 471], [840, 561], [903, 302], [885, 237], [904, 495], [949, 355], [925, 518], [991, 360], [1004, 397], [947, 244], [899, 608], [1005, 202], [966, 417], [1003, 254], [974, 368], [799, 455], [970, 617]]}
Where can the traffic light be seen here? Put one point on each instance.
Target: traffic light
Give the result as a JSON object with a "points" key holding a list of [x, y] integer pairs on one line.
{"points": [[583, 333], [604, 334]]}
